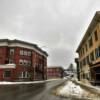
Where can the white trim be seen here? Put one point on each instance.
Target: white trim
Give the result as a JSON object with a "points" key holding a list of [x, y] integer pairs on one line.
{"points": [[7, 66], [21, 45]]}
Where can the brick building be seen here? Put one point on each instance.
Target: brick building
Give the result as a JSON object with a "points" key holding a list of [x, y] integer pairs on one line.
{"points": [[54, 72], [88, 63], [21, 61]]}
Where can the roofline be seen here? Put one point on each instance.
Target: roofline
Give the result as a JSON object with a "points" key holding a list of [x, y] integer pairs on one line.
{"points": [[23, 42], [94, 21]]}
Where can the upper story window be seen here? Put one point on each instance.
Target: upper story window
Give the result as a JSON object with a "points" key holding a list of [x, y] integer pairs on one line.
{"points": [[25, 53], [21, 52], [97, 52], [86, 47], [25, 62], [29, 63], [29, 53], [11, 51], [11, 61], [90, 42], [88, 60], [83, 51], [92, 56], [96, 35], [21, 61]]}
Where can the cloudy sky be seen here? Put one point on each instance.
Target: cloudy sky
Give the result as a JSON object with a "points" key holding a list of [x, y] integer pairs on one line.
{"points": [[57, 26]]}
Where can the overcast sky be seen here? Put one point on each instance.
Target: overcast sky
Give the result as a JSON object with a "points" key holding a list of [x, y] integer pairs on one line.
{"points": [[57, 26]]}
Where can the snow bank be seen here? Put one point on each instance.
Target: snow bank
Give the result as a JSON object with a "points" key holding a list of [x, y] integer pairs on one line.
{"points": [[71, 89], [15, 83], [31, 82]]}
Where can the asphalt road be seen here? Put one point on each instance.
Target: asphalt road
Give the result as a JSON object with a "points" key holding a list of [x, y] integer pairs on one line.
{"points": [[40, 91]]}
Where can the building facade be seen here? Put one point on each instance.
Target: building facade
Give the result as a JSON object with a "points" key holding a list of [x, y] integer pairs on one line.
{"points": [[89, 52], [54, 72], [30, 61]]}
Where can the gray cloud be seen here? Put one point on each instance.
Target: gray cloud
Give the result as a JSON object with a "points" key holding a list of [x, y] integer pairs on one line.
{"points": [[57, 24]]}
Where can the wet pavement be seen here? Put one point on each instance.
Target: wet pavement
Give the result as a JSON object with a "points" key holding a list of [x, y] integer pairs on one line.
{"points": [[40, 91]]}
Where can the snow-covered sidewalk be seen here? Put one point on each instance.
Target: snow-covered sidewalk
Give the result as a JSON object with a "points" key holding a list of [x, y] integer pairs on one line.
{"points": [[31, 82]]}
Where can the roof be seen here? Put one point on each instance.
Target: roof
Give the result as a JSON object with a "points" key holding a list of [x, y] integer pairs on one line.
{"points": [[93, 23], [23, 42]]}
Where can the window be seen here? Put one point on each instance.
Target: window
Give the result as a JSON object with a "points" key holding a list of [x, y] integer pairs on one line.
{"points": [[11, 51], [88, 59], [11, 61], [25, 62], [25, 53], [24, 74], [83, 51], [7, 73], [29, 53], [29, 63], [21, 52], [92, 56], [96, 35], [86, 47], [81, 64], [84, 61], [21, 62], [90, 42], [97, 52]]}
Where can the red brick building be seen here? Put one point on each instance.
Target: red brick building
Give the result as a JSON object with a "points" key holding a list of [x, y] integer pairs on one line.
{"points": [[54, 72], [28, 60]]}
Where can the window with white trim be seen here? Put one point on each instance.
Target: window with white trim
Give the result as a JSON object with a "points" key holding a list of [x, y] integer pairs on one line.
{"points": [[24, 74], [21, 52], [7, 74], [21, 61], [25, 53], [25, 62], [11, 61], [11, 51], [29, 63], [29, 53]]}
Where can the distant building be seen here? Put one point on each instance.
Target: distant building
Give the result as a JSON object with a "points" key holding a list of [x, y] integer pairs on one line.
{"points": [[89, 52], [54, 72], [21, 61], [70, 71]]}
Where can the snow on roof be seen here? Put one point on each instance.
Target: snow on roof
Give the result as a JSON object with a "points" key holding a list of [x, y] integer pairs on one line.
{"points": [[7, 66]]}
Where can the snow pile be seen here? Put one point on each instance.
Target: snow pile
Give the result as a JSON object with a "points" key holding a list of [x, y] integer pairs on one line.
{"points": [[29, 82], [19, 83], [71, 89]]}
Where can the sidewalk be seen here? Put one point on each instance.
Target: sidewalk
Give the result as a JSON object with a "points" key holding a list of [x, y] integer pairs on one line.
{"points": [[31, 82]]}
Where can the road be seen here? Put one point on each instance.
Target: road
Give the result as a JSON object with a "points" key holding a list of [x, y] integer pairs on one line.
{"points": [[40, 91]]}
